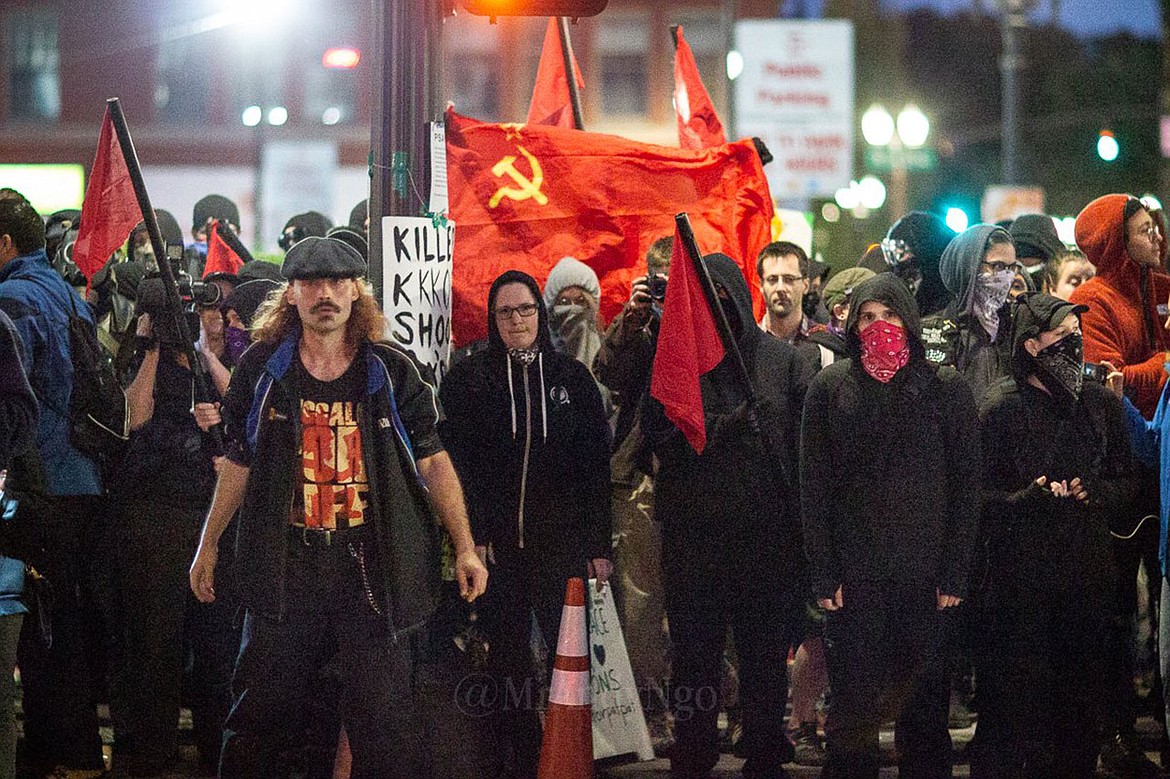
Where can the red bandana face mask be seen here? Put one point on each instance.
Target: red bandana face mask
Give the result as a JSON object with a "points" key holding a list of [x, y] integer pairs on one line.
{"points": [[884, 350]]}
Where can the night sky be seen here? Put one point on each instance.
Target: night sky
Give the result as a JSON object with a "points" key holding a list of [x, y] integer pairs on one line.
{"points": [[1086, 18]]}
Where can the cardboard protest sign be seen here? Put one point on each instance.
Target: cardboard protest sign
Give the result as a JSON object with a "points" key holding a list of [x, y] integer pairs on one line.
{"points": [[416, 286], [619, 725]]}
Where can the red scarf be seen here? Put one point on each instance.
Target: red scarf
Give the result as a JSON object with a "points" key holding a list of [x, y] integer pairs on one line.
{"points": [[884, 350]]}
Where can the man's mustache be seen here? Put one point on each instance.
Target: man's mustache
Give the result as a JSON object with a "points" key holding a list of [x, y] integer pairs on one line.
{"points": [[325, 307]]}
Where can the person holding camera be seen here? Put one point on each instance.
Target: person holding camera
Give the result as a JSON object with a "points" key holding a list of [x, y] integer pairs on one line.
{"points": [[623, 366], [165, 485], [1057, 464]]}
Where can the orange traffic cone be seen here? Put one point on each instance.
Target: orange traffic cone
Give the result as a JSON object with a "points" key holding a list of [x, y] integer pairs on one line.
{"points": [[567, 749]]}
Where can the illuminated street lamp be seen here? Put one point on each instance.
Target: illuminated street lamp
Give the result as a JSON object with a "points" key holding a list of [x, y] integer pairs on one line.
{"points": [[909, 131]]}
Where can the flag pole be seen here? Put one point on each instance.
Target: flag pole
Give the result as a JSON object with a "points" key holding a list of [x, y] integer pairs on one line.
{"points": [[166, 272], [570, 72], [682, 223], [233, 242]]}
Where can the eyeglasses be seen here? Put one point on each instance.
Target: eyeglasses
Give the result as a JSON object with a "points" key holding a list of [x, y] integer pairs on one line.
{"points": [[999, 267], [504, 313], [894, 251], [788, 280], [1149, 230]]}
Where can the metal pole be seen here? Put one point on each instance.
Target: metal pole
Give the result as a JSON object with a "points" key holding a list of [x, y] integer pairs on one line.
{"points": [[570, 72], [1011, 63], [408, 45], [899, 180], [728, 15]]}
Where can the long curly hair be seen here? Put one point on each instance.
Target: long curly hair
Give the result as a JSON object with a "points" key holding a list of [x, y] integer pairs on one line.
{"points": [[277, 317]]}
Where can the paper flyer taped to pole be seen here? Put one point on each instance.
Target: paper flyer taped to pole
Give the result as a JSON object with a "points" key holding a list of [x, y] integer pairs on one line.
{"points": [[619, 724], [416, 286]]}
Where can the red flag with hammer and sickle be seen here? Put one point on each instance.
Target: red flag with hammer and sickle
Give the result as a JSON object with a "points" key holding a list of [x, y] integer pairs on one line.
{"points": [[524, 196]]}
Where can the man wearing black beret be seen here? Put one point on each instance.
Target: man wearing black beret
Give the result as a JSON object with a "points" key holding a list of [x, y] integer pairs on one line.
{"points": [[333, 455]]}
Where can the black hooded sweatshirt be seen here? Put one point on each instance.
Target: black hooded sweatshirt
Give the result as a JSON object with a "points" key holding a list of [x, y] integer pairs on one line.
{"points": [[734, 508], [530, 443], [889, 473], [1029, 433]]}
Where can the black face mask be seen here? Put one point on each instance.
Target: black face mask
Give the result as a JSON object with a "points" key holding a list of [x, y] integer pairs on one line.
{"points": [[1060, 367], [732, 314], [809, 304]]}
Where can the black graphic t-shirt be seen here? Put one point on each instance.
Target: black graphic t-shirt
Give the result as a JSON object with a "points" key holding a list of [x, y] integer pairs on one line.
{"points": [[333, 489]]}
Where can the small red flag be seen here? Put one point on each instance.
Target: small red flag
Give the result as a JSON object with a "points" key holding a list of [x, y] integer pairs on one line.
{"points": [[110, 210], [551, 103], [688, 346], [220, 257], [698, 124]]}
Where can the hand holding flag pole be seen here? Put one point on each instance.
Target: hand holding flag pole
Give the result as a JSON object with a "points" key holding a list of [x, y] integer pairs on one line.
{"points": [[174, 303]]}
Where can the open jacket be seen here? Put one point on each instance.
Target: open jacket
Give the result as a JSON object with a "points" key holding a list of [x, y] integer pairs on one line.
{"points": [[531, 444], [397, 420], [1122, 324]]}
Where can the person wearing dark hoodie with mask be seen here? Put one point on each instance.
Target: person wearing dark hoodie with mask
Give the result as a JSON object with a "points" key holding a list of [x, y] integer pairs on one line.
{"points": [[1056, 463], [731, 551], [911, 251], [889, 475], [978, 268], [528, 435]]}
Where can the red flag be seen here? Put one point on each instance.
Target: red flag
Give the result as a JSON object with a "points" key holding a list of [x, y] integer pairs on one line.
{"points": [[698, 124], [551, 103], [220, 257], [688, 346], [524, 196], [110, 210]]}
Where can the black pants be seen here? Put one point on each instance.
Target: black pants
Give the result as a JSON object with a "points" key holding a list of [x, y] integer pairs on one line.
{"points": [[153, 548], [1041, 684], [525, 582], [327, 613], [883, 661], [58, 681], [698, 634]]}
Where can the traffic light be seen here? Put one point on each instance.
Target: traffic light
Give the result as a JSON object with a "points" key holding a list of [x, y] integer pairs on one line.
{"points": [[571, 8]]}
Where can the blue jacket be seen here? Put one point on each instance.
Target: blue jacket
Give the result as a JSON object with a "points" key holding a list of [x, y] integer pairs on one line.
{"points": [[39, 304], [1151, 445]]}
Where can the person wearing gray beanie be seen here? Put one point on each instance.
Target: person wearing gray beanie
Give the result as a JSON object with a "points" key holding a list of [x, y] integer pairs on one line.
{"points": [[572, 295]]}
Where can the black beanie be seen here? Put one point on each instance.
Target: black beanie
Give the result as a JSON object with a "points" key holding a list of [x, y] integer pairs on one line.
{"points": [[215, 207], [310, 223], [1035, 236], [358, 216]]}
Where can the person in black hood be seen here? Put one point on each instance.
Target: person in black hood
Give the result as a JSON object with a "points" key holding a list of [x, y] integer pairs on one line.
{"points": [[1056, 464], [889, 495], [912, 249], [528, 435], [731, 552]]}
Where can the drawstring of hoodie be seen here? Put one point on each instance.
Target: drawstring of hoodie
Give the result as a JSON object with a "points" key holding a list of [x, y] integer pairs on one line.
{"points": [[543, 400], [511, 394]]}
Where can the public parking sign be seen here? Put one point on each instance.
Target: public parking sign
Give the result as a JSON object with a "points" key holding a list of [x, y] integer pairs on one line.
{"points": [[796, 94]]}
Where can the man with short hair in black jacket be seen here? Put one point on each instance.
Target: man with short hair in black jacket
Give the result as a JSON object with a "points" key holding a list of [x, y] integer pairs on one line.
{"points": [[889, 495]]}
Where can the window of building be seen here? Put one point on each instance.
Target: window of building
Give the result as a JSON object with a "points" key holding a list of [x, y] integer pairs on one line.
{"points": [[34, 79], [472, 66], [182, 82], [621, 48]]}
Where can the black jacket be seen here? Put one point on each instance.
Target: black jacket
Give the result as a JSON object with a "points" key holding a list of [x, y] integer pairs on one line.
{"points": [[531, 444], [397, 423], [735, 507], [1029, 433], [889, 473]]}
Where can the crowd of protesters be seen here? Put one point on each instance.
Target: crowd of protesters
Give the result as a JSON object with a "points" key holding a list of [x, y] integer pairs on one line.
{"points": [[932, 501]]}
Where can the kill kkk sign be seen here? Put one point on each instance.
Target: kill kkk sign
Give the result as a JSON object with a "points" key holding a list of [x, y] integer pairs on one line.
{"points": [[416, 286]]}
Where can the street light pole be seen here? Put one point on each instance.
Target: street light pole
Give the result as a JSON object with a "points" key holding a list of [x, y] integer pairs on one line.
{"points": [[899, 180], [1011, 63]]}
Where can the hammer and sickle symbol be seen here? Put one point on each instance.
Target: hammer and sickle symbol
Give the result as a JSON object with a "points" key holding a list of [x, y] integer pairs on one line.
{"points": [[525, 188]]}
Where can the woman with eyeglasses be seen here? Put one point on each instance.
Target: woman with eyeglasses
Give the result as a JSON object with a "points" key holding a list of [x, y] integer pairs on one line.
{"points": [[525, 427]]}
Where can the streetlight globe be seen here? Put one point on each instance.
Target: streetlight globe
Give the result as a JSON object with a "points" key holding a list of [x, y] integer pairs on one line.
{"points": [[913, 126], [848, 197], [872, 192], [252, 116], [877, 126]]}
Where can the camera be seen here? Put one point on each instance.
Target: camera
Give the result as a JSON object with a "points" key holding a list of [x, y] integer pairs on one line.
{"points": [[152, 299], [657, 286], [1096, 372]]}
